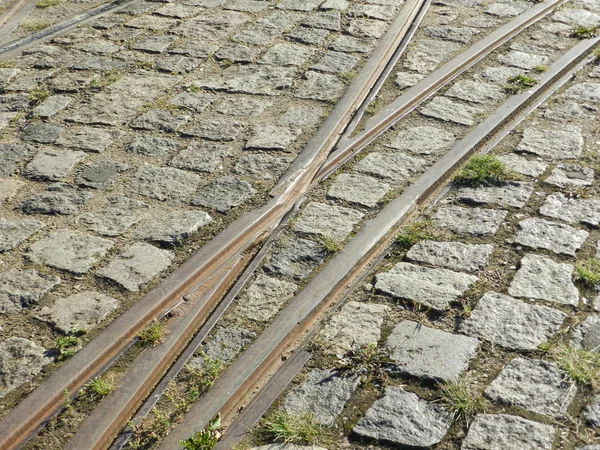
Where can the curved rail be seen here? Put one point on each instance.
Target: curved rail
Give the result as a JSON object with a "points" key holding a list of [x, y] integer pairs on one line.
{"points": [[308, 307]]}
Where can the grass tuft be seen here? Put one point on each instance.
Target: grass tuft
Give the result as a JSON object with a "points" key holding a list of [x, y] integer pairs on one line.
{"points": [[581, 365], [289, 428], [462, 400], [39, 94], [204, 439], [413, 233], [152, 335], [520, 82], [368, 362], [482, 169], [588, 272], [540, 69], [330, 245], [65, 346], [100, 386], [584, 32], [46, 3]]}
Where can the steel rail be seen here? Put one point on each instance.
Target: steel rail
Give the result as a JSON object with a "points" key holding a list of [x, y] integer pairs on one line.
{"points": [[307, 308], [238, 237], [420, 92]]}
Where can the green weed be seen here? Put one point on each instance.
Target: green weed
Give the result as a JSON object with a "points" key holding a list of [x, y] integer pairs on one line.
{"points": [[152, 335], [588, 272], [100, 386], [584, 32], [65, 346], [46, 3], [330, 245], [204, 439], [581, 365], [368, 362], [482, 169], [288, 428], [413, 233], [462, 400]]}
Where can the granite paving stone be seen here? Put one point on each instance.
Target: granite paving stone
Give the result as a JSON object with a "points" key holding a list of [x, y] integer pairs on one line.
{"points": [[336, 62], [120, 214], [434, 288], [153, 146], [41, 132], [287, 55], [52, 165], [51, 106], [58, 198], [176, 64], [380, 11], [360, 189], [9, 188], [193, 101], [451, 255], [542, 278], [476, 92], [553, 142], [311, 36], [21, 360], [224, 346], [261, 166], [10, 157], [423, 140], [264, 298], [101, 174], [224, 193], [201, 156], [302, 116], [299, 5], [535, 385], [571, 175], [503, 432], [513, 194], [523, 166], [395, 166], [136, 265], [584, 92], [173, 228], [423, 352], [505, 9], [160, 120], [176, 10], [569, 110], [323, 393], [13, 232], [296, 258], [69, 250], [81, 311], [450, 33], [511, 323], [164, 183], [577, 17], [474, 221], [246, 5], [450, 111], [155, 44], [402, 418], [293, 447], [591, 412], [270, 137], [22, 288], [318, 86], [407, 79], [587, 334], [14, 102], [89, 139], [334, 222], [355, 325], [216, 129], [523, 60], [243, 106], [572, 210], [331, 20], [426, 55], [344, 43], [556, 237]]}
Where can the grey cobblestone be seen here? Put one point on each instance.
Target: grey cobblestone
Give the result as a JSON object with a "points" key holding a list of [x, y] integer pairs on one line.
{"points": [[451, 255], [556, 237]]}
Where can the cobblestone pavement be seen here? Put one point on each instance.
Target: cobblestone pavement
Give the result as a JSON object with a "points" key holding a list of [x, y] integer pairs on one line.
{"points": [[130, 142]]}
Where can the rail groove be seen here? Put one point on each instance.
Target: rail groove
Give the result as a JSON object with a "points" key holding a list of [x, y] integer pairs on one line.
{"points": [[307, 309]]}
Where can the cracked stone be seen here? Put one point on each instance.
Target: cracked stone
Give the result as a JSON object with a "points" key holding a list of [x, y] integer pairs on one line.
{"points": [[68, 250], [41, 132], [10, 157], [423, 352], [21, 360], [256, 80], [403, 418], [511, 323], [354, 326], [116, 218], [572, 210], [152, 146], [334, 222], [423, 140], [193, 101], [537, 386], [12, 233], [261, 166], [287, 55], [225, 345], [552, 142], [435, 288], [513, 194], [201, 156], [323, 393], [246, 107], [584, 92], [88, 138], [269, 137], [571, 175], [136, 265], [52, 165], [474, 221], [82, 311], [336, 62], [302, 116], [164, 183], [556, 237], [451, 255], [449, 111], [160, 120], [523, 166], [396, 166], [474, 91], [20, 289], [318, 86], [587, 334], [58, 198], [358, 189], [101, 175], [51, 106], [224, 193], [174, 228], [217, 129], [296, 259], [264, 298], [502, 431], [426, 55]]}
